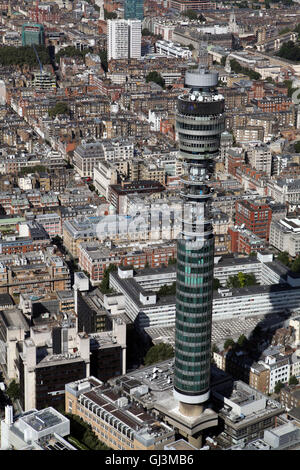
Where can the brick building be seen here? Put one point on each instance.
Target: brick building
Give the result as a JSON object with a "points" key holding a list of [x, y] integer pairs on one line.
{"points": [[244, 241], [254, 216]]}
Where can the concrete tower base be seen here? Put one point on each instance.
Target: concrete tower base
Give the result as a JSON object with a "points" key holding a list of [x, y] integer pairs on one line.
{"points": [[190, 410]]}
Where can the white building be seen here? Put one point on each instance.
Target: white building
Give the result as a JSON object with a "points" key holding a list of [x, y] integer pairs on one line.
{"points": [[260, 158], [117, 39], [124, 39], [104, 175], [135, 38], [279, 367], [284, 190], [285, 235], [35, 430], [227, 303], [172, 49]]}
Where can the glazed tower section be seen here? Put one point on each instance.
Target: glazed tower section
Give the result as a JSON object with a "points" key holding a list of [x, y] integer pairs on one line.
{"points": [[199, 124]]}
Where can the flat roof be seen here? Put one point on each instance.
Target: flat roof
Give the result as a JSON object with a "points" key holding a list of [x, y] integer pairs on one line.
{"points": [[13, 318], [43, 419], [257, 289]]}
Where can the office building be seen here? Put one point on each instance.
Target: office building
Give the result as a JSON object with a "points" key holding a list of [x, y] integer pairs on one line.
{"points": [[285, 436], [134, 9], [245, 413], [49, 359], [35, 430], [116, 419], [199, 122], [255, 216], [285, 235], [172, 49], [33, 33]]}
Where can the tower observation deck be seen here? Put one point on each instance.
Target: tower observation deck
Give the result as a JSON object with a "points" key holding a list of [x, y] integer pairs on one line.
{"points": [[199, 123]]}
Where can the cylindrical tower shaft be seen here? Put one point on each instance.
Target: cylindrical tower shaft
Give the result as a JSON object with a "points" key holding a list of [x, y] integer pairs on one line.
{"points": [[199, 123]]}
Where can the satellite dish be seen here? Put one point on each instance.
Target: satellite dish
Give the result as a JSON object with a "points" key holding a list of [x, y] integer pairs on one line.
{"points": [[193, 97]]}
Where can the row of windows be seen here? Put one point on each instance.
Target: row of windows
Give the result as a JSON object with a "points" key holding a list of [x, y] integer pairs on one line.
{"points": [[197, 145], [205, 262], [185, 382], [190, 349], [188, 329], [190, 310], [201, 252], [192, 290], [203, 155], [195, 321], [198, 359], [201, 127], [199, 137], [193, 300]]}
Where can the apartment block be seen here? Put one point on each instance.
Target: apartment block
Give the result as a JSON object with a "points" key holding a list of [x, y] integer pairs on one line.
{"points": [[94, 257], [124, 39], [244, 241]]}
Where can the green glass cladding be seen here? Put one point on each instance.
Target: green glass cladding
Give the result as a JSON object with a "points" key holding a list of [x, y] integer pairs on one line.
{"points": [[199, 124], [193, 316], [134, 9]]}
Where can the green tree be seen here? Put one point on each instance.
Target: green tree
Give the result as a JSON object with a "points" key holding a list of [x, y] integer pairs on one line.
{"points": [[216, 283], [293, 380], [57, 240], [297, 146], [295, 266], [32, 169], [104, 286], [172, 261], [83, 433], [159, 352], [289, 85], [284, 30], [103, 58], [110, 15], [214, 348], [13, 390], [167, 290], [278, 387], [60, 108], [191, 47], [25, 55], [190, 14], [156, 78], [237, 68], [242, 341], [289, 50], [70, 51], [284, 258], [146, 32], [241, 280], [229, 343]]}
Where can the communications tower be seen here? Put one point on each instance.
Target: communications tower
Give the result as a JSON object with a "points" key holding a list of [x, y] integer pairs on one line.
{"points": [[199, 122]]}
